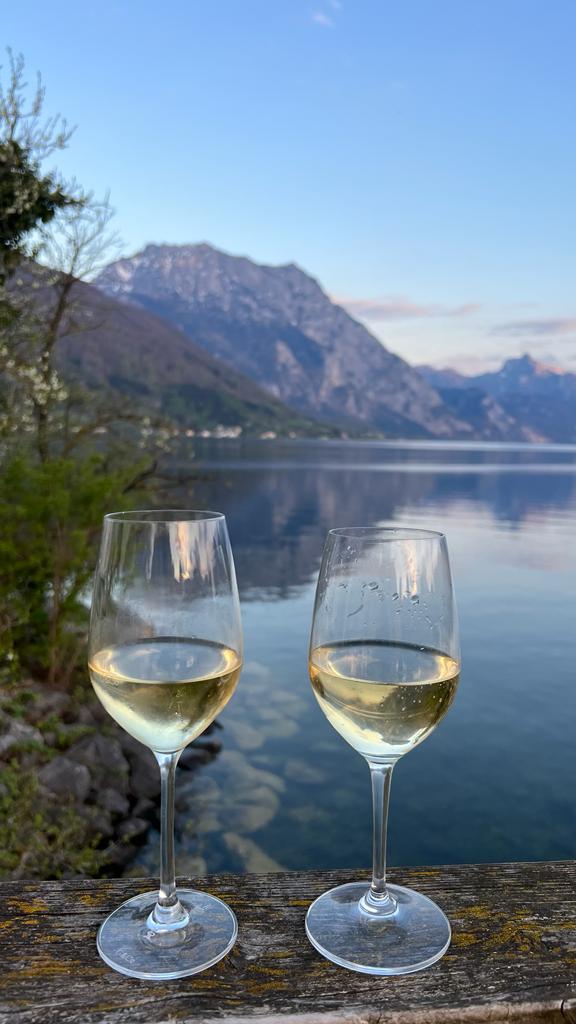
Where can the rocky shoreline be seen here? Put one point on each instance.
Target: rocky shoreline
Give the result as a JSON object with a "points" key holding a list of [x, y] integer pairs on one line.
{"points": [[65, 762]]}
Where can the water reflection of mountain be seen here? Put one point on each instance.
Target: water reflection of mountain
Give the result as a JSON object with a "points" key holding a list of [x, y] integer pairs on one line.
{"points": [[281, 500], [278, 518], [511, 496]]}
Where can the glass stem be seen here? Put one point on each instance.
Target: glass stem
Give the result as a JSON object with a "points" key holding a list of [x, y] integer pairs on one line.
{"points": [[378, 899], [168, 911]]}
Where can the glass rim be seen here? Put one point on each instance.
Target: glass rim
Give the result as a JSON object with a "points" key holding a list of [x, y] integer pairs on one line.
{"points": [[386, 533], [164, 515]]}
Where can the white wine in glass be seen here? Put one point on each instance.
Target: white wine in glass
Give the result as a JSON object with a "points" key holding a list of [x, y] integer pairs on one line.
{"points": [[165, 691], [384, 666], [165, 654], [383, 698]]}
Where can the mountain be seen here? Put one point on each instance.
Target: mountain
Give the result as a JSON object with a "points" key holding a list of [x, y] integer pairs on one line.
{"points": [[445, 377], [526, 376], [543, 396], [277, 326], [145, 361], [538, 400], [489, 419]]}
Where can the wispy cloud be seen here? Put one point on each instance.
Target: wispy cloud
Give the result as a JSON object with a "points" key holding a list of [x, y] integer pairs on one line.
{"points": [[398, 307], [321, 18], [553, 327], [326, 14]]}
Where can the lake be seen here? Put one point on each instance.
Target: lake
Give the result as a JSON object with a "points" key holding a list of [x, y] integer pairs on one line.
{"points": [[496, 781]]}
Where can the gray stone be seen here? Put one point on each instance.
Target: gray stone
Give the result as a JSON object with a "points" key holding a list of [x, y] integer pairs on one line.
{"points": [[65, 777], [119, 855], [251, 856], [103, 754], [55, 702], [19, 732], [240, 772], [144, 772], [111, 800], [145, 808], [203, 791], [100, 820], [195, 756], [191, 865], [245, 735], [133, 829], [211, 747], [281, 729], [87, 715], [309, 814], [299, 771], [250, 815], [205, 750], [209, 822]]}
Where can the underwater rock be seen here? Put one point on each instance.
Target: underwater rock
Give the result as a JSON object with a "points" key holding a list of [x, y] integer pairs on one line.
{"points": [[251, 856]]}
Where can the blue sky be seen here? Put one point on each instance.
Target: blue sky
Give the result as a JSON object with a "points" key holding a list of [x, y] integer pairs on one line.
{"points": [[418, 157]]}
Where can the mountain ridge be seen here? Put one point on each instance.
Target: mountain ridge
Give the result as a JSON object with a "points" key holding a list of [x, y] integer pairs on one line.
{"points": [[278, 326], [540, 400], [127, 352]]}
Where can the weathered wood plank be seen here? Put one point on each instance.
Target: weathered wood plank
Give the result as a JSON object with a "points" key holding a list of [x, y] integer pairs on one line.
{"points": [[513, 956]]}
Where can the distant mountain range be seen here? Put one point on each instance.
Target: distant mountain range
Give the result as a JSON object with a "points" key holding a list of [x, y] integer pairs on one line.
{"points": [[525, 399], [277, 326], [210, 339], [148, 363]]}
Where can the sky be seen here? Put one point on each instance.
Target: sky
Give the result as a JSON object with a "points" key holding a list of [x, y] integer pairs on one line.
{"points": [[417, 157]]}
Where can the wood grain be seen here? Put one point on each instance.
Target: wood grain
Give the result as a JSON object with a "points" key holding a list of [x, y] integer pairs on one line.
{"points": [[513, 955]]}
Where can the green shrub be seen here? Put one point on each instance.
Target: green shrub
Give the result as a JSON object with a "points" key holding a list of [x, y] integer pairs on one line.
{"points": [[50, 520], [38, 842]]}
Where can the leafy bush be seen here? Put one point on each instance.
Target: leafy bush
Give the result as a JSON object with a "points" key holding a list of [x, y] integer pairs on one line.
{"points": [[42, 843], [50, 519]]}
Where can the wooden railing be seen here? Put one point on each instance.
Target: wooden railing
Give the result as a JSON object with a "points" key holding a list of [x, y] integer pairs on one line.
{"points": [[512, 958]]}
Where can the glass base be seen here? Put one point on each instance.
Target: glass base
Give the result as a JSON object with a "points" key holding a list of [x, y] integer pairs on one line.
{"points": [[128, 944], [413, 935]]}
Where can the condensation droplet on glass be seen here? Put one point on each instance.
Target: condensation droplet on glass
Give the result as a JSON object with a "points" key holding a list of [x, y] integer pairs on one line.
{"points": [[395, 596], [415, 599], [373, 585]]}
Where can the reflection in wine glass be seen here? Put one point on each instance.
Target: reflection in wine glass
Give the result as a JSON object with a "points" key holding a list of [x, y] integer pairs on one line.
{"points": [[384, 667], [165, 654]]}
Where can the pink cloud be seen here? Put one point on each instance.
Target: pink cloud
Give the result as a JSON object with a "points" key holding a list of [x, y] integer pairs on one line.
{"points": [[398, 307], [551, 327]]}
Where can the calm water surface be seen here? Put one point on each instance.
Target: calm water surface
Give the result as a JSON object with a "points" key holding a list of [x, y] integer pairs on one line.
{"points": [[496, 781]]}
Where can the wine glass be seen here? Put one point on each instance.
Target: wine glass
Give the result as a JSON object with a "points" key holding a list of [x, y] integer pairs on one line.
{"points": [[384, 667], [165, 654]]}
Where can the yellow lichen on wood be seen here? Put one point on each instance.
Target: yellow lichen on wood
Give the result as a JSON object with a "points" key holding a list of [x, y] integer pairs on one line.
{"points": [[33, 906], [46, 965], [92, 901], [479, 912], [464, 939]]}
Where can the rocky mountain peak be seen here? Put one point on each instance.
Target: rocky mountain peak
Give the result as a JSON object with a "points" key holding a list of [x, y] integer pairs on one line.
{"points": [[200, 274], [527, 366], [278, 326]]}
